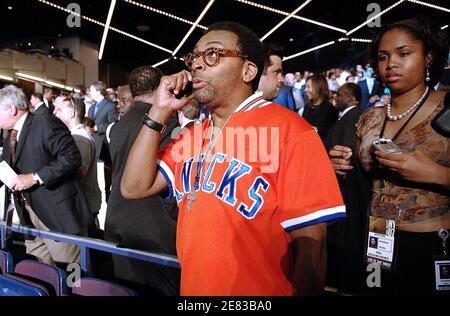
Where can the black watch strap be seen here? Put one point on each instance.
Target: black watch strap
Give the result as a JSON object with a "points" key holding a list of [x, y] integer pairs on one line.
{"points": [[156, 126]]}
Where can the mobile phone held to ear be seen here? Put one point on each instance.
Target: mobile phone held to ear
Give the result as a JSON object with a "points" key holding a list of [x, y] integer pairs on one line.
{"points": [[386, 145], [187, 91]]}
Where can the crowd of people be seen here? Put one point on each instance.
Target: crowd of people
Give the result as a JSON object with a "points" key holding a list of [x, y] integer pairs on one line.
{"points": [[260, 183]]}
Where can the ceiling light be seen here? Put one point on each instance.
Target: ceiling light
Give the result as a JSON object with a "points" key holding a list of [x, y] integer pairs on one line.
{"points": [[257, 5], [143, 28], [30, 77], [146, 7], [7, 78], [285, 19], [103, 25], [444, 27], [161, 62], [106, 29], [430, 5], [200, 17], [10, 8], [309, 50], [55, 84], [375, 17]]}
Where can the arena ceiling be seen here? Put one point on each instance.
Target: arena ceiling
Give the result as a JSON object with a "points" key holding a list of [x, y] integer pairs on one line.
{"points": [[152, 31]]}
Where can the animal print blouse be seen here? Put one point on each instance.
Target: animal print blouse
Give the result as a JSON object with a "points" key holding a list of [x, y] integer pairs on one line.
{"points": [[392, 196]]}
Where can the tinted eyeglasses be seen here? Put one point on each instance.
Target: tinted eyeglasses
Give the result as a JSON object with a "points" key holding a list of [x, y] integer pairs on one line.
{"points": [[211, 56]]}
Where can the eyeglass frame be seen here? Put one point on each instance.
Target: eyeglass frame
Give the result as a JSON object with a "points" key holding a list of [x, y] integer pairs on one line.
{"points": [[221, 52]]}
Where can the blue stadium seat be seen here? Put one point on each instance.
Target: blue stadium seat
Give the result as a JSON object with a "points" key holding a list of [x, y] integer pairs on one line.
{"points": [[6, 262], [50, 276], [96, 287], [10, 286]]}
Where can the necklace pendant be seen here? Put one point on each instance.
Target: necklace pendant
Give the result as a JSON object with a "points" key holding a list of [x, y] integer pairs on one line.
{"points": [[192, 197]]}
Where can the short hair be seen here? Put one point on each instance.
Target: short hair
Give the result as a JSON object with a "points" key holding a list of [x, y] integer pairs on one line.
{"points": [[431, 36], [248, 42], [144, 80], [191, 110], [321, 85], [99, 86], [78, 106], [271, 49], [354, 90], [47, 89], [89, 122], [39, 96], [11, 95]]}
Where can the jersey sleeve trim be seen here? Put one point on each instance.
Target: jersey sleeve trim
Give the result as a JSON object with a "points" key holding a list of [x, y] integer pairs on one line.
{"points": [[170, 178], [314, 218]]}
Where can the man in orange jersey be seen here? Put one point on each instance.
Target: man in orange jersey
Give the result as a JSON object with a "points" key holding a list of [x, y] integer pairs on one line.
{"points": [[253, 182]]}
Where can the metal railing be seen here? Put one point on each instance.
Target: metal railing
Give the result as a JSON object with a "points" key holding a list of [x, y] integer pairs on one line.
{"points": [[86, 243]]}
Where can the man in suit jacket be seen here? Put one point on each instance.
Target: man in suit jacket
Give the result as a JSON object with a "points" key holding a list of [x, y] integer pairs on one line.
{"points": [[48, 98], [370, 88], [103, 112], [46, 192], [38, 106], [346, 238], [146, 224]]}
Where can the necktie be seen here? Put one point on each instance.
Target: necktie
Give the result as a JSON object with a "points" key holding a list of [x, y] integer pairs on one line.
{"points": [[12, 146], [97, 106]]}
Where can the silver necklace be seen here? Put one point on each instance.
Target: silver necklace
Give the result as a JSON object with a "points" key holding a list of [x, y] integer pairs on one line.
{"points": [[192, 196], [411, 108]]}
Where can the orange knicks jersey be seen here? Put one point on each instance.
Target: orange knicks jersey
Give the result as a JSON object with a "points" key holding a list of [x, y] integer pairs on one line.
{"points": [[241, 194]]}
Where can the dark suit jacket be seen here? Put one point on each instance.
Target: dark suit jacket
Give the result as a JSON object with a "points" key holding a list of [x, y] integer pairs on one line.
{"points": [[50, 108], [46, 147], [42, 110], [322, 117], [346, 238], [365, 95], [106, 114], [147, 224]]}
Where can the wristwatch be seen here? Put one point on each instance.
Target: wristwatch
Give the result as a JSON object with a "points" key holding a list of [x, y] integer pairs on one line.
{"points": [[156, 126]]}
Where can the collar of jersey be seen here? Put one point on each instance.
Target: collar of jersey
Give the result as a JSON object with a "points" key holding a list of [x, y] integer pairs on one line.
{"points": [[251, 102]]}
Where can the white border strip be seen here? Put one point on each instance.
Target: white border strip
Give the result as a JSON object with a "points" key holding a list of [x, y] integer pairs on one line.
{"points": [[313, 216], [169, 174]]}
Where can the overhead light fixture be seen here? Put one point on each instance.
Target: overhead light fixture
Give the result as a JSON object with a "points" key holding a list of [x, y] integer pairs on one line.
{"points": [[149, 8], [309, 50], [285, 19], [55, 84], [260, 6], [7, 78], [444, 27], [430, 5], [30, 77], [143, 28], [106, 29], [72, 89], [200, 17], [103, 25], [361, 40], [375, 17], [10, 8], [161, 62]]}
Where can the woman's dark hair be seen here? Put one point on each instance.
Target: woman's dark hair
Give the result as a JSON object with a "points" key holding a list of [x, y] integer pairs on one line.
{"points": [[320, 84], [431, 36], [248, 42]]}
